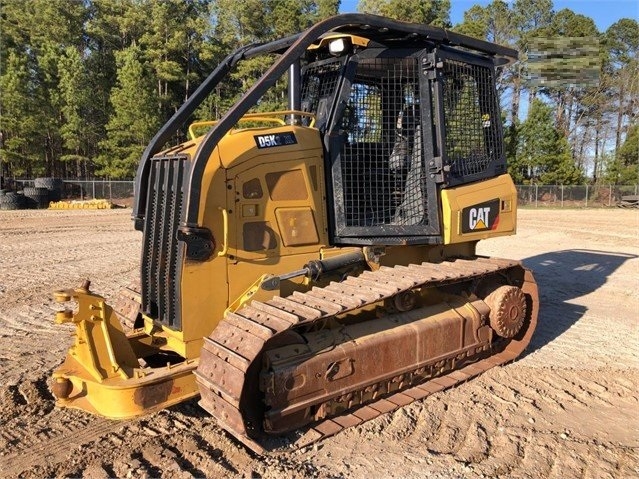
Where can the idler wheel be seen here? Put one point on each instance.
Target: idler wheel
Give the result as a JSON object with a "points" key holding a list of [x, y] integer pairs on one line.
{"points": [[507, 310]]}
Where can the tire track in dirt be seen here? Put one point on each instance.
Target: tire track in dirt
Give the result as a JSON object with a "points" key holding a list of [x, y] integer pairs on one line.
{"points": [[54, 445], [166, 444], [495, 426], [563, 410], [49, 435]]}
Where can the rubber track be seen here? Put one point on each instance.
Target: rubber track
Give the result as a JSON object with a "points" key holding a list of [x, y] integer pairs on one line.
{"points": [[238, 341]]}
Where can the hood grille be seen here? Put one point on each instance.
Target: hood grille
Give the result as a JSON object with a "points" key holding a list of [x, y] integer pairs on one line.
{"points": [[162, 253]]}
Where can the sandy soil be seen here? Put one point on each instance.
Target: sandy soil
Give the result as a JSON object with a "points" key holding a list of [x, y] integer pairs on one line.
{"points": [[567, 408]]}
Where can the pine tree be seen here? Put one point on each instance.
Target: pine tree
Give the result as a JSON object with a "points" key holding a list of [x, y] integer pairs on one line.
{"points": [[75, 99], [543, 155], [623, 168], [135, 116], [622, 42], [326, 9], [21, 119], [431, 12], [175, 33], [38, 31]]}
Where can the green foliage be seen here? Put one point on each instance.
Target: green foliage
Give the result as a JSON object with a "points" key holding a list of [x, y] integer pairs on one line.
{"points": [[623, 169], [75, 99], [135, 117], [543, 154], [566, 52], [86, 83], [622, 41], [432, 12], [242, 23], [20, 122], [475, 22], [511, 140], [494, 23]]}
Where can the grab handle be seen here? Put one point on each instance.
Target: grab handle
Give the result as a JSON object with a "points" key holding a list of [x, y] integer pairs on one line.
{"points": [[225, 222]]}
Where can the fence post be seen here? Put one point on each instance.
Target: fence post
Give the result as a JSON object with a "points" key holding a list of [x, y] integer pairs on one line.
{"points": [[536, 196], [586, 195], [562, 195], [93, 184], [610, 195]]}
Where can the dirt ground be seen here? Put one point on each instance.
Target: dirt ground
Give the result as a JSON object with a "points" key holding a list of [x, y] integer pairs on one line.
{"points": [[566, 409]]}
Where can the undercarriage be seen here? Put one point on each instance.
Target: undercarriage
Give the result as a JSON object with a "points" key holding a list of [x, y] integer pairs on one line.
{"points": [[336, 356]]}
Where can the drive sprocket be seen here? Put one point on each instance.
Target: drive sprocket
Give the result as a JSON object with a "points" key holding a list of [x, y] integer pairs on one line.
{"points": [[507, 310]]}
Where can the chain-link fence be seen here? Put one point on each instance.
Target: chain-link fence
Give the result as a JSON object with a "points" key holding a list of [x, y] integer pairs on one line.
{"points": [[537, 196], [572, 196], [90, 189]]}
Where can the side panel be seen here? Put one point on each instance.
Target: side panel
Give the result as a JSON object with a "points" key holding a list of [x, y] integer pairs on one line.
{"points": [[204, 285], [271, 188], [479, 210], [276, 198]]}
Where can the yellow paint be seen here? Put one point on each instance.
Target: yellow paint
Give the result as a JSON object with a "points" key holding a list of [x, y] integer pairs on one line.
{"points": [[454, 200], [354, 39], [101, 369], [81, 205], [272, 192]]}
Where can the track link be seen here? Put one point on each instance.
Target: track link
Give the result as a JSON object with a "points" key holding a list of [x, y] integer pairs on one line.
{"points": [[230, 362], [127, 302]]}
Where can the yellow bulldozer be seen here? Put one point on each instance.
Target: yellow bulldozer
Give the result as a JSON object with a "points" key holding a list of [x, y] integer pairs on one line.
{"points": [[306, 270]]}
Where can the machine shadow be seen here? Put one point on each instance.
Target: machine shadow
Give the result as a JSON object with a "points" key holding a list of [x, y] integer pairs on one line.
{"points": [[589, 270]]}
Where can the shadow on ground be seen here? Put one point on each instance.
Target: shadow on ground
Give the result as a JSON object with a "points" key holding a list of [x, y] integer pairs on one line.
{"points": [[589, 271]]}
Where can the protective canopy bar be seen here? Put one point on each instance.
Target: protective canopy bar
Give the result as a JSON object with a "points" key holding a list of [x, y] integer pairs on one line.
{"points": [[292, 48], [186, 110]]}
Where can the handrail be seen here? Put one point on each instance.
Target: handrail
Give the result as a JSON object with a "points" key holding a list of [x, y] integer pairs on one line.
{"points": [[255, 117]]}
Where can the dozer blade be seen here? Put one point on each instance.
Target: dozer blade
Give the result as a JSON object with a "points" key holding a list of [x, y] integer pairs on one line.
{"points": [[102, 372], [301, 362]]}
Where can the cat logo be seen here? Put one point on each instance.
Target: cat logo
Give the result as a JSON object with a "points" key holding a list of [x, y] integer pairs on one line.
{"points": [[481, 217]]}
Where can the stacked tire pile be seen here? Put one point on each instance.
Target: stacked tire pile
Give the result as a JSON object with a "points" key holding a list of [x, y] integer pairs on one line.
{"points": [[36, 197], [10, 200], [33, 197], [53, 186]]}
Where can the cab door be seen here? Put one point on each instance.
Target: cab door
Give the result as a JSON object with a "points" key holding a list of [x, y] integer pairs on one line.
{"points": [[277, 219]]}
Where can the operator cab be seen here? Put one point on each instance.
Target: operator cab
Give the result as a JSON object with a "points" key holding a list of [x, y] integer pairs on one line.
{"points": [[400, 118]]}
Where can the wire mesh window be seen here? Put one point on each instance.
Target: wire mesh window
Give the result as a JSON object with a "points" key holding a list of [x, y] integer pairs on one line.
{"points": [[319, 82], [471, 117], [381, 162]]}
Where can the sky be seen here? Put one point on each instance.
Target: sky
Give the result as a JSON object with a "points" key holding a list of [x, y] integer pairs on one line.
{"points": [[603, 12]]}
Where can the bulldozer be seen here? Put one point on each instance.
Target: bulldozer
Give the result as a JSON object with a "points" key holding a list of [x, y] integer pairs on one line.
{"points": [[306, 270]]}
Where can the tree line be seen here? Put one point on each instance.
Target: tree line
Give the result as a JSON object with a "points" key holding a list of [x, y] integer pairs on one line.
{"points": [[85, 84]]}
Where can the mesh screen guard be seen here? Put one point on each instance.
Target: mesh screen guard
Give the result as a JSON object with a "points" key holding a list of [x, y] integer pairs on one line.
{"points": [[471, 118], [319, 84], [381, 160]]}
